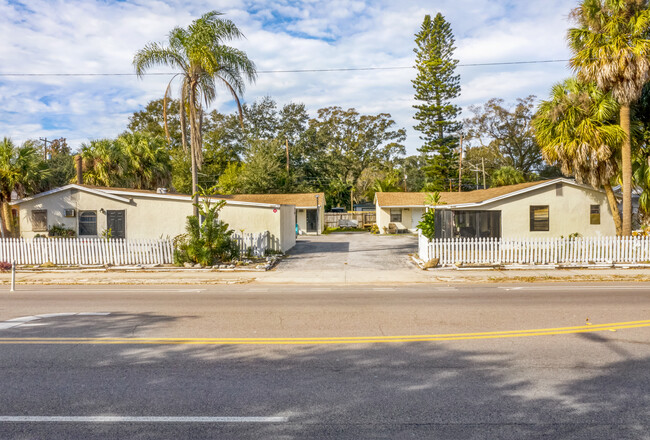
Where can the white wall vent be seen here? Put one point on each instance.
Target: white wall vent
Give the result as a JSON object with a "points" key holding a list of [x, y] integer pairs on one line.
{"points": [[69, 213]]}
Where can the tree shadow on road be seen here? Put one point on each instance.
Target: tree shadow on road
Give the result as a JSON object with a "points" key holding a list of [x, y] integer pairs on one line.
{"points": [[114, 324], [391, 391]]}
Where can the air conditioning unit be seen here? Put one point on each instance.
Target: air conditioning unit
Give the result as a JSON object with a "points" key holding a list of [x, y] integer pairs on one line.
{"points": [[69, 213]]}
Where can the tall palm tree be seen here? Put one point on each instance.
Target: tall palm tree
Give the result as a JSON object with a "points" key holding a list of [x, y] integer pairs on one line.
{"points": [[204, 61], [611, 48], [21, 168], [576, 128]]}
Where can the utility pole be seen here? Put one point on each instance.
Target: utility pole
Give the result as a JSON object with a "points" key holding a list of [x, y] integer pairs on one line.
{"points": [[286, 142], [45, 141], [460, 164], [474, 169], [483, 166]]}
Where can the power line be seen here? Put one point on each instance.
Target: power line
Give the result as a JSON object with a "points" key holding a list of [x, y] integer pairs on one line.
{"points": [[342, 69]]}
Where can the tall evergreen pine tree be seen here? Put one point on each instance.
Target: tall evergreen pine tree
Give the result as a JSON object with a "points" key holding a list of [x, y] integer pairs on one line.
{"points": [[436, 85]]}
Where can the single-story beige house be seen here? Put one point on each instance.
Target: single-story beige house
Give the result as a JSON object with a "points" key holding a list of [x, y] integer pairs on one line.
{"points": [[140, 214], [310, 207], [549, 208]]}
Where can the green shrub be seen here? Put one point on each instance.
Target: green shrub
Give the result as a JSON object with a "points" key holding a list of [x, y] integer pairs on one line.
{"points": [[61, 231], [427, 225], [206, 242]]}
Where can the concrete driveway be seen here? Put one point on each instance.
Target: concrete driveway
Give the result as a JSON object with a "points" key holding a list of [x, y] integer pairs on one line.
{"points": [[348, 258]]}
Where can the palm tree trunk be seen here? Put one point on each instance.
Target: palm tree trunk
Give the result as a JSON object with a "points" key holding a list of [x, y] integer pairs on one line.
{"points": [[194, 144], [613, 206], [626, 166], [7, 219]]}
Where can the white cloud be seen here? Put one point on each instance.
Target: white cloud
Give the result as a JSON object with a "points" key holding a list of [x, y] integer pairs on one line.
{"points": [[99, 36]]}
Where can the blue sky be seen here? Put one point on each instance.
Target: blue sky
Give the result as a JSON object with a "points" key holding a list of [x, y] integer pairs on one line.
{"points": [[101, 36]]}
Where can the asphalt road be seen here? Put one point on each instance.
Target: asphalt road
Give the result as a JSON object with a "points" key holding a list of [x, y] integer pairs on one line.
{"points": [[553, 377]]}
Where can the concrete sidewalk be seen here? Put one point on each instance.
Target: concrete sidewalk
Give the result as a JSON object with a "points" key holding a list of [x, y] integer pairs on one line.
{"points": [[405, 275]]}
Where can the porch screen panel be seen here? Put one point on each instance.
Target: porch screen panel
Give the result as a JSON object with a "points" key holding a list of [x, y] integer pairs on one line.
{"points": [[466, 223], [489, 224], [444, 223], [477, 224]]}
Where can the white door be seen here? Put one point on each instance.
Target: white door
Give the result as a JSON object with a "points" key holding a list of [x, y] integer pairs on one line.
{"points": [[416, 216]]}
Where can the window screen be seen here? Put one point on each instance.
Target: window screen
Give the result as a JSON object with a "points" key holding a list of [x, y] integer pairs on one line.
{"points": [[39, 220], [594, 215], [396, 215], [88, 223], [539, 218]]}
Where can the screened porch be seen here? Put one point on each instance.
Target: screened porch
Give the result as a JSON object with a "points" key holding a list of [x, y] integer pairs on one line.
{"points": [[467, 224]]}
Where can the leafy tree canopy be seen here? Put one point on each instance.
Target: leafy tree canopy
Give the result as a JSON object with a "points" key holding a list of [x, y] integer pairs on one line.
{"points": [[505, 134]]}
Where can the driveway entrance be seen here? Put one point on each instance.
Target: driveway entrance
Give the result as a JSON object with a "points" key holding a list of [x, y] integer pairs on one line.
{"points": [[348, 257]]}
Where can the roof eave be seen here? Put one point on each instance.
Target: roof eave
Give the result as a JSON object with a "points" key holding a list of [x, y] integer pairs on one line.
{"points": [[186, 197], [98, 192]]}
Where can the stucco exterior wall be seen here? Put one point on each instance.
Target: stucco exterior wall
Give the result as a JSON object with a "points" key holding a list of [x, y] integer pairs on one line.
{"points": [[145, 217], [321, 218], [55, 207], [382, 217], [154, 217], [568, 212], [408, 215], [288, 234]]}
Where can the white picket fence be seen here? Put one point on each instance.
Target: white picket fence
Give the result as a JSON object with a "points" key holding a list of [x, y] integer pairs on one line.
{"points": [[86, 251], [581, 250], [99, 251], [258, 243]]}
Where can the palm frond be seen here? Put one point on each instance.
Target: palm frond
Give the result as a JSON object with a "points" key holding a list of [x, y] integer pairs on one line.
{"points": [[153, 54]]}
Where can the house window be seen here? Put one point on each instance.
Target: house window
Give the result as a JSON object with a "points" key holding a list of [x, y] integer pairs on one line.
{"points": [[539, 218], [594, 215], [39, 220], [396, 215], [88, 223]]}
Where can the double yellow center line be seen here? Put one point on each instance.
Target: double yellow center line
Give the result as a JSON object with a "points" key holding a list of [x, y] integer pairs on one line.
{"points": [[334, 340]]}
